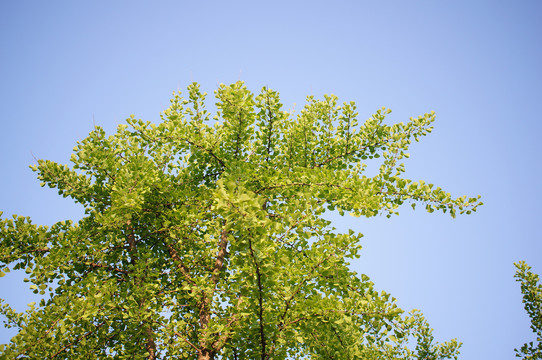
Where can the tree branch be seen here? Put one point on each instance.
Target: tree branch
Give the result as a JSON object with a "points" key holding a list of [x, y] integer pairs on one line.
{"points": [[260, 297]]}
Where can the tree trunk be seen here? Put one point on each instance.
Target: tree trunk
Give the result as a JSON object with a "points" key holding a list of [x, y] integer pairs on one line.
{"points": [[150, 346], [206, 355], [204, 308]]}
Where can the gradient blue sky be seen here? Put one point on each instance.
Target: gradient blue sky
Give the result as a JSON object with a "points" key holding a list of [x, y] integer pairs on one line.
{"points": [[66, 65]]}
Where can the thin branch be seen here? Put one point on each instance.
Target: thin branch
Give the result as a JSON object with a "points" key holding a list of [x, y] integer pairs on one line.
{"points": [[260, 296], [217, 345], [175, 256], [180, 336], [279, 186], [94, 265], [322, 345], [76, 341]]}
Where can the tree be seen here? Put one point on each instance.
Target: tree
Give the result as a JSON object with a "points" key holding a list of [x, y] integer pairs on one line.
{"points": [[532, 298], [203, 237]]}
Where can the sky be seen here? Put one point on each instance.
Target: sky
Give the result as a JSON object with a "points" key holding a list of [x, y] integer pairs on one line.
{"points": [[66, 66]]}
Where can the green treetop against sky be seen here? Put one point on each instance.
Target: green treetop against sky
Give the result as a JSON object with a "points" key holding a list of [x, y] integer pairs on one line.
{"points": [[68, 66], [204, 236]]}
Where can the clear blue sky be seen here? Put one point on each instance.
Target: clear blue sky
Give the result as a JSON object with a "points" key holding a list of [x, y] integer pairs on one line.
{"points": [[66, 65]]}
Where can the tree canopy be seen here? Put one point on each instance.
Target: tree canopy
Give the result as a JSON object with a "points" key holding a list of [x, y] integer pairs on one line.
{"points": [[203, 237], [532, 300]]}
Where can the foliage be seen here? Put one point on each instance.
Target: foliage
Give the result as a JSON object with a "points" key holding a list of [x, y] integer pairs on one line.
{"points": [[532, 298], [203, 237]]}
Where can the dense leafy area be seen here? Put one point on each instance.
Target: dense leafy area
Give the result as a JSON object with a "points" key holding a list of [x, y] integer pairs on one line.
{"points": [[203, 237]]}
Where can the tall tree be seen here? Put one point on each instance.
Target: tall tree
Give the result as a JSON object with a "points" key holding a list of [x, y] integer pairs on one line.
{"points": [[204, 238], [532, 300]]}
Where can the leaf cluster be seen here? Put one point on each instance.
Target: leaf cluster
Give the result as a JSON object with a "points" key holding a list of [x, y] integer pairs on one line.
{"points": [[532, 300]]}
